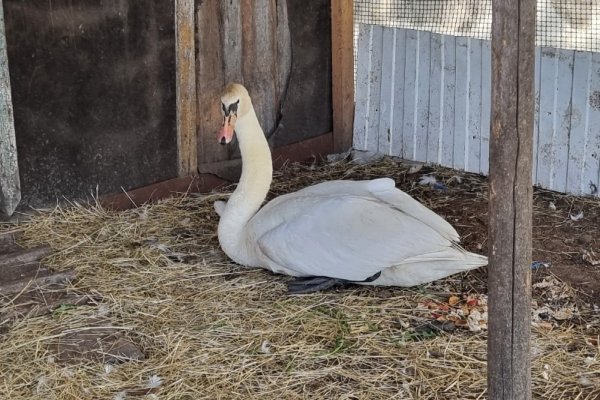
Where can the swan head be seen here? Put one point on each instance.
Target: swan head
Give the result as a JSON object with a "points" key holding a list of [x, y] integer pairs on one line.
{"points": [[235, 103]]}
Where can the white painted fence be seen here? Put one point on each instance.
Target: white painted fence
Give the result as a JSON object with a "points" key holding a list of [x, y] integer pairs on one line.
{"points": [[426, 97]]}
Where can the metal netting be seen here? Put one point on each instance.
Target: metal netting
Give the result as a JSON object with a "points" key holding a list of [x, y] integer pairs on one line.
{"points": [[569, 24]]}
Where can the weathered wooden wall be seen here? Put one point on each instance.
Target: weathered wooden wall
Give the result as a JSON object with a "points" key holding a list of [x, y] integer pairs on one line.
{"points": [[426, 97], [240, 41], [93, 87], [281, 51], [10, 190]]}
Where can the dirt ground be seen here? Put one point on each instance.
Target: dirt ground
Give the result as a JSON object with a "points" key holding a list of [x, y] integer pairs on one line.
{"points": [[563, 246]]}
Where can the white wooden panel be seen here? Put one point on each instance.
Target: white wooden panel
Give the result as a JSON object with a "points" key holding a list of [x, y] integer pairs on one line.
{"points": [[555, 112], [436, 97], [563, 119], [486, 104], [461, 104], [411, 76], [474, 93], [427, 97], [363, 90], [591, 173], [386, 103], [579, 122], [536, 119], [547, 117], [398, 92], [374, 106], [422, 100], [449, 100], [361, 96]]}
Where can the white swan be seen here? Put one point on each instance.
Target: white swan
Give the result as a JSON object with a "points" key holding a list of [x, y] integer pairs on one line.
{"points": [[365, 232]]}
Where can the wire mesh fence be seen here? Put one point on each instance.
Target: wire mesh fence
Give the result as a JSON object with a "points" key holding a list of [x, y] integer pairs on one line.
{"points": [[569, 24]]}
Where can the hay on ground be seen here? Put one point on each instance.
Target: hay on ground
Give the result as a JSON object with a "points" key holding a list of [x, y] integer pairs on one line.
{"points": [[210, 329]]}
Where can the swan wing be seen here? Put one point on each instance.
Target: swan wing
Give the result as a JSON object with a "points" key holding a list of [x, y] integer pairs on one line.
{"points": [[385, 190], [346, 237], [382, 189]]}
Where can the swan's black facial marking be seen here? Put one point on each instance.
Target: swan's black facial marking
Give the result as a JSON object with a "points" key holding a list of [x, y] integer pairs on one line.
{"points": [[233, 108]]}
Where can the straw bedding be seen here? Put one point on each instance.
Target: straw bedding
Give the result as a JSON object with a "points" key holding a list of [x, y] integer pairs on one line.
{"points": [[210, 329]]}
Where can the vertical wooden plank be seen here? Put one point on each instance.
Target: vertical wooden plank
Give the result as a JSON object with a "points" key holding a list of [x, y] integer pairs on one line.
{"points": [[187, 145], [411, 75], [579, 124], [257, 44], [210, 81], [474, 123], [373, 109], [422, 100], [555, 109], [398, 92], [363, 66], [435, 131], [486, 105], [231, 27], [547, 119], [563, 119], [449, 100], [259, 59], [10, 186], [342, 62], [591, 173], [461, 104], [387, 91], [537, 116], [511, 197]]}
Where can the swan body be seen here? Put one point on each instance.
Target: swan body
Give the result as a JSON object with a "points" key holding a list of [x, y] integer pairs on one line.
{"points": [[367, 232]]}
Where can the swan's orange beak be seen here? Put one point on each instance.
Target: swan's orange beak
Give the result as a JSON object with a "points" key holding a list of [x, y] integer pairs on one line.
{"points": [[226, 133]]}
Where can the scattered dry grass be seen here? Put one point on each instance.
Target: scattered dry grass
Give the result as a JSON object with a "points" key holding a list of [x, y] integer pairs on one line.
{"points": [[213, 330]]}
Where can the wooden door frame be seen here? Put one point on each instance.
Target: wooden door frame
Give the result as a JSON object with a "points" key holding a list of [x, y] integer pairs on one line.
{"points": [[10, 185], [185, 67], [342, 76], [339, 140], [342, 63]]}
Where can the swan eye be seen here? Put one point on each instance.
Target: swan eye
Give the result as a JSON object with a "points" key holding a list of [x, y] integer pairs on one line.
{"points": [[233, 108]]}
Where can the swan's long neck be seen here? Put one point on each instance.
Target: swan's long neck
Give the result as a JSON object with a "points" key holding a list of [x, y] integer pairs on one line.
{"points": [[251, 191]]}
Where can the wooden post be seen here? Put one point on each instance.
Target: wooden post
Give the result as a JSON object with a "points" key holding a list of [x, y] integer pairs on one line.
{"points": [[10, 186], [342, 63], [510, 206], [187, 158]]}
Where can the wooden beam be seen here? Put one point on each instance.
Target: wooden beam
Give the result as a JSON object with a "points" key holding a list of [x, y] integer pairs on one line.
{"points": [[510, 206], [315, 148], [342, 63], [37, 281], [202, 183], [22, 257], [208, 180], [10, 186], [187, 148]]}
